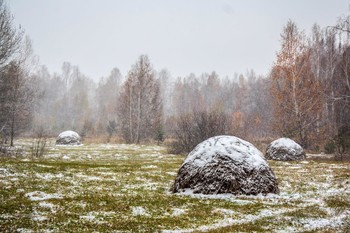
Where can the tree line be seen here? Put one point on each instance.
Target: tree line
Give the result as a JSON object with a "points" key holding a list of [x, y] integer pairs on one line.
{"points": [[306, 96], [311, 85]]}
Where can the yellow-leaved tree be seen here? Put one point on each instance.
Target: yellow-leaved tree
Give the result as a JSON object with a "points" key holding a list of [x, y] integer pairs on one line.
{"points": [[297, 95]]}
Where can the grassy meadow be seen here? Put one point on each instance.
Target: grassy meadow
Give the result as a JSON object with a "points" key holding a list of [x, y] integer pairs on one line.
{"points": [[125, 188]]}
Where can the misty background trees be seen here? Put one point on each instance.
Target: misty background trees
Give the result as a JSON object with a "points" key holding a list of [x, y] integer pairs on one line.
{"points": [[306, 96]]}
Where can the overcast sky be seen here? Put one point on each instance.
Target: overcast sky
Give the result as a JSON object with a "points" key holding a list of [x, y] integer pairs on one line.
{"points": [[182, 36]]}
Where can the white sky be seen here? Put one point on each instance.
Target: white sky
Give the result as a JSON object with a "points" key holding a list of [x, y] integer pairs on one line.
{"points": [[182, 36]]}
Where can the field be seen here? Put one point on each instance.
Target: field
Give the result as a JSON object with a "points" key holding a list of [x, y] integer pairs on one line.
{"points": [[125, 188]]}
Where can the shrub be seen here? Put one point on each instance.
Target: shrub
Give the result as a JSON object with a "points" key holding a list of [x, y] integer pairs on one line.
{"points": [[191, 129], [329, 147], [342, 141], [38, 148], [160, 135]]}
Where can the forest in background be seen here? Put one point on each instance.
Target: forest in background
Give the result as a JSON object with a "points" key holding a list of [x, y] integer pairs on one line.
{"points": [[306, 96]]}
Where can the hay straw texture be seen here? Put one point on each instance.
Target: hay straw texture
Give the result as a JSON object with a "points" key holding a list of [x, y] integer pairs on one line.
{"points": [[225, 164]]}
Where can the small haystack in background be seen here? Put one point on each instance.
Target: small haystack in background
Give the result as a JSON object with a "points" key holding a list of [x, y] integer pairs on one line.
{"points": [[68, 138], [284, 149]]}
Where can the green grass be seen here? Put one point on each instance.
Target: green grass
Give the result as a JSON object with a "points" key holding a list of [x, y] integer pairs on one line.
{"points": [[341, 202], [125, 188]]}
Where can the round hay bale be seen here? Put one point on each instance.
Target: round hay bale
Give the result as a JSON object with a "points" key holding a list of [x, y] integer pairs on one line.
{"points": [[68, 138], [225, 164], [284, 149]]}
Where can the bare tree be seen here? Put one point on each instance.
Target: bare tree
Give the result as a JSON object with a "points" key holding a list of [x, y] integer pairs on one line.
{"points": [[10, 37], [107, 94], [193, 128], [343, 24], [18, 99], [14, 53], [140, 107], [165, 90]]}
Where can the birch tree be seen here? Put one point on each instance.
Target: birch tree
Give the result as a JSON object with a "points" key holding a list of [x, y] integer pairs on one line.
{"points": [[140, 109], [10, 36], [296, 92]]}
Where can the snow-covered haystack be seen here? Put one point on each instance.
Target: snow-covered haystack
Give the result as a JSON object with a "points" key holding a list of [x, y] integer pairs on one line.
{"points": [[225, 164], [284, 149], [68, 138]]}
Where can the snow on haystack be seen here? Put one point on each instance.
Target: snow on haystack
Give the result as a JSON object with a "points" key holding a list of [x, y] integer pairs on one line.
{"points": [[284, 149], [68, 138], [225, 164]]}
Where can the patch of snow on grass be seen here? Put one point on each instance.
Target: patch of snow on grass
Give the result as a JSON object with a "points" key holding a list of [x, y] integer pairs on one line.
{"points": [[39, 218], [178, 212], [88, 217], [24, 230], [339, 166], [48, 205], [6, 216], [226, 222], [149, 155], [271, 196], [5, 171], [95, 217], [172, 173], [296, 167], [48, 231], [41, 196], [147, 186], [49, 176], [241, 202], [172, 231], [139, 211], [314, 224], [88, 178], [81, 204], [107, 173], [224, 211], [42, 165], [189, 192], [286, 230], [53, 156], [149, 166]]}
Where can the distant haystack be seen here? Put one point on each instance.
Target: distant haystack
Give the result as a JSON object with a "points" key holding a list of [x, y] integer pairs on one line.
{"points": [[68, 138], [284, 149], [226, 164]]}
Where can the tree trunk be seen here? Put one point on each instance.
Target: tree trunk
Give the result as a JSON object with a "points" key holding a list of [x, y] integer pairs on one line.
{"points": [[130, 115], [296, 106], [12, 128], [138, 117]]}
